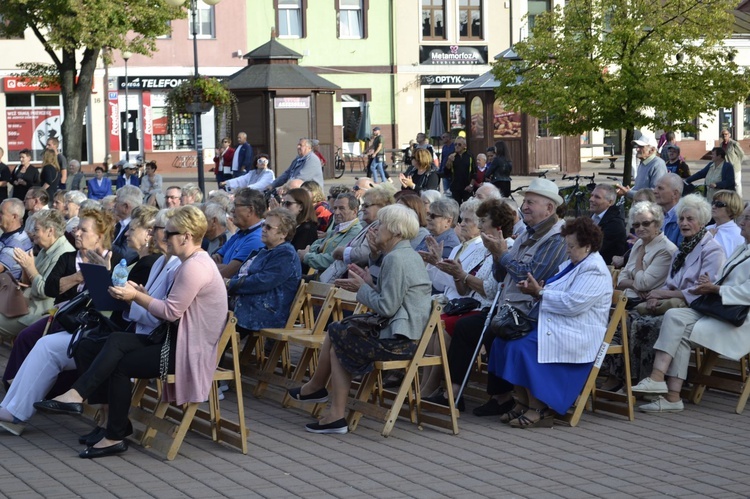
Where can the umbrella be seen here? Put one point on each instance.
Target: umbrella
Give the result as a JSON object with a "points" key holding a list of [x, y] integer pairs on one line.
{"points": [[437, 127], [363, 132]]}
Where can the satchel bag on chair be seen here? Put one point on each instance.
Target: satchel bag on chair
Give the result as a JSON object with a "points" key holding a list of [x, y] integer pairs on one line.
{"points": [[159, 334], [711, 305], [367, 325], [13, 303], [94, 327], [458, 306], [509, 323], [72, 314]]}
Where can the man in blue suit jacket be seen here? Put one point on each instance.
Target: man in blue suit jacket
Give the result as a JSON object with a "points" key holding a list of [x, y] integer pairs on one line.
{"points": [[243, 156]]}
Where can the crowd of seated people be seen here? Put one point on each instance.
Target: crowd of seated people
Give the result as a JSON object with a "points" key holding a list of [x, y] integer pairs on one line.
{"points": [[248, 250]]}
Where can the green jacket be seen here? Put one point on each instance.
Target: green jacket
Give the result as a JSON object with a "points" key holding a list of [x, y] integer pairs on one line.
{"points": [[320, 256], [39, 303]]}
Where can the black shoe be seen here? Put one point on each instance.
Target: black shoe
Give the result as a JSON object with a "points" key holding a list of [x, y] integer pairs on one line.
{"points": [[339, 427], [393, 380], [493, 408], [55, 407], [92, 437], [439, 399], [314, 398], [91, 452]]}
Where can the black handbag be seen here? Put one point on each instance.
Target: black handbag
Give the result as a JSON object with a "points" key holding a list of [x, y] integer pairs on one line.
{"points": [[94, 327], [366, 325], [711, 305], [159, 334], [72, 314], [509, 323], [458, 306]]}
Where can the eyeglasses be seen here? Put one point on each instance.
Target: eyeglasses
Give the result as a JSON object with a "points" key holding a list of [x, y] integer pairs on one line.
{"points": [[646, 224], [367, 205], [433, 216], [156, 227], [287, 204], [170, 233], [719, 204], [269, 227], [173, 197]]}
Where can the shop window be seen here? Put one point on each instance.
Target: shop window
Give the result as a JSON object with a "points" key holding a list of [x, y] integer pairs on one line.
{"points": [[351, 110], [290, 18], [433, 19], [470, 19], [452, 110], [31, 120], [351, 19], [170, 136], [205, 20], [537, 7]]}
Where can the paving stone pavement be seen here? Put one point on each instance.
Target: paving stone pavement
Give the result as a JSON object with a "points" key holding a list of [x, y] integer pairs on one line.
{"points": [[698, 453]]}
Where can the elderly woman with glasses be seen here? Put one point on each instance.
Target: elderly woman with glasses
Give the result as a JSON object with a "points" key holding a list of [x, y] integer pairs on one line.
{"points": [[267, 281], [726, 206], [442, 217], [259, 178], [197, 299]]}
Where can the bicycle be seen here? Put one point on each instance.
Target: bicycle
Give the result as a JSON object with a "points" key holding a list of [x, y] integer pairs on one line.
{"points": [[576, 197], [517, 189], [339, 165]]}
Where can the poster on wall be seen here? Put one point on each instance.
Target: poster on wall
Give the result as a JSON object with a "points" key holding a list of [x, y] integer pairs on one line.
{"points": [[477, 118], [29, 128], [458, 116], [505, 123]]}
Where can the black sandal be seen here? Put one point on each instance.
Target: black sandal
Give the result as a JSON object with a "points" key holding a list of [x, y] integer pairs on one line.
{"points": [[546, 419], [513, 413]]}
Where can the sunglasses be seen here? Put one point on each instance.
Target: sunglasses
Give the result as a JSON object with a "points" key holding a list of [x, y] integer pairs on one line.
{"points": [[719, 204], [433, 216], [170, 233], [645, 224], [287, 204]]}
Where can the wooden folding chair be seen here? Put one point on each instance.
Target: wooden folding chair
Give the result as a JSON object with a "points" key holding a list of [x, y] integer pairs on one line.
{"points": [[370, 399], [720, 373], [602, 400], [311, 343], [298, 314], [266, 374], [174, 422]]}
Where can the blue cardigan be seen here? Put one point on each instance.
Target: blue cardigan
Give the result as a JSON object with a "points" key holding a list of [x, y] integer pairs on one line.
{"points": [[96, 192], [727, 176], [265, 294]]}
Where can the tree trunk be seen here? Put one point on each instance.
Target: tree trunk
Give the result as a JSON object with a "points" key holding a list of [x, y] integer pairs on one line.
{"points": [[76, 94], [628, 155]]}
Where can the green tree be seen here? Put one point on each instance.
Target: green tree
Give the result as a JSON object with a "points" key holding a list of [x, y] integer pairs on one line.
{"points": [[74, 33], [628, 64]]}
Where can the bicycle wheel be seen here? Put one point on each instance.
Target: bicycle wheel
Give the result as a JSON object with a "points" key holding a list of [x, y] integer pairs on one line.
{"points": [[339, 167]]}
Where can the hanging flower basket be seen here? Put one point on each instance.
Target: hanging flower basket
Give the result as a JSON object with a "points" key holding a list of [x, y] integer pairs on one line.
{"points": [[199, 95]]}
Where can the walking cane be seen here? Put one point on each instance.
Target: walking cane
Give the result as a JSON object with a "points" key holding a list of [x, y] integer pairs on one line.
{"points": [[479, 343]]}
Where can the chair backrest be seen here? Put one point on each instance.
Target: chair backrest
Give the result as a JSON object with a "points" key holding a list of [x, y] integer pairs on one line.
{"points": [[297, 304], [347, 300], [327, 308], [315, 295], [229, 329]]}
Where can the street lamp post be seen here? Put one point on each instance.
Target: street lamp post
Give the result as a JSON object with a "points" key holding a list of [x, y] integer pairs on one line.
{"points": [[126, 125], [197, 132]]}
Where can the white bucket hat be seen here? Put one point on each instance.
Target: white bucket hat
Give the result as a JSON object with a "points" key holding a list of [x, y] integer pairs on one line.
{"points": [[546, 188]]}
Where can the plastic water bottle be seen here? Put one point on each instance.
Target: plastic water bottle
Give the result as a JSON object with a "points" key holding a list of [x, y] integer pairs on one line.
{"points": [[120, 274]]}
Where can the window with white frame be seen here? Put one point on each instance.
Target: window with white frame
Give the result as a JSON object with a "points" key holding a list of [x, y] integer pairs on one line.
{"points": [[470, 19], [290, 18], [350, 19], [204, 20], [537, 7]]}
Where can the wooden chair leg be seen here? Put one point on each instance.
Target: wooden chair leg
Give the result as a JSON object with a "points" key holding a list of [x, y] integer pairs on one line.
{"points": [[269, 366], [179, 436], [707, 366], [363, 394], [743, 397]]}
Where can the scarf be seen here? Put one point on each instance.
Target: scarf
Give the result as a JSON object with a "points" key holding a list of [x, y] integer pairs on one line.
{"points": [[686, 247]]}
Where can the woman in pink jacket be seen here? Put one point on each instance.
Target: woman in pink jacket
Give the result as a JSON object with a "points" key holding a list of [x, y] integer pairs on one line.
{"points": [[197, 299]]}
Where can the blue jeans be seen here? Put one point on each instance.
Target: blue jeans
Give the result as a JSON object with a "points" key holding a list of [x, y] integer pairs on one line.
{"points": [[378, 174]]}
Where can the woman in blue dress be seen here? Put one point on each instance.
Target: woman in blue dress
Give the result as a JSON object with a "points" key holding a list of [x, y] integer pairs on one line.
{"points": [[550, 365]]}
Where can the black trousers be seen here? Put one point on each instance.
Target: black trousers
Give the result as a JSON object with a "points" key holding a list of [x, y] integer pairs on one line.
{"points": [[122, 357], [461, 352]]}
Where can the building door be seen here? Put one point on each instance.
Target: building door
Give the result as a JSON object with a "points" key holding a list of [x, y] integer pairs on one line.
{"points": [[130, 133]]}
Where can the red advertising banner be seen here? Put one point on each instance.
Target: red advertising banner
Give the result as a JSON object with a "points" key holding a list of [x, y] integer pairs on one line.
{"points": [[24, 84], [148, 122], [114, 125], [29, 128]]}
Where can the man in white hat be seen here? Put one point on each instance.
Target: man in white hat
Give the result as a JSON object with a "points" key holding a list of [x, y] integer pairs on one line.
{"points": [[539, 251], [650, 169]]}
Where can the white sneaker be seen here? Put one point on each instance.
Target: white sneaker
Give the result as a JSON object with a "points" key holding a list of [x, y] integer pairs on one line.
{"points": [[223, 386], [662, 405], [221, 395], [647, 385]]}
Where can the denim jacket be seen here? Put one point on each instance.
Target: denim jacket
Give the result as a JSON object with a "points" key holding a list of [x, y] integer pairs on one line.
{"points": [[265, 294]]}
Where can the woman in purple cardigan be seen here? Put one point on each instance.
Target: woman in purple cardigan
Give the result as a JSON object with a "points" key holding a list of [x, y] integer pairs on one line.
{"points": [[197, 299]]}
